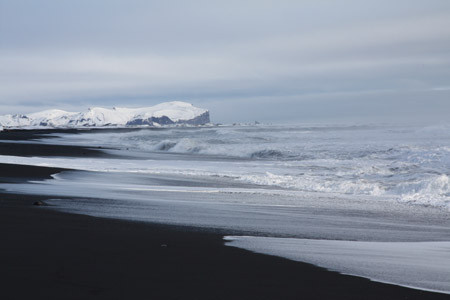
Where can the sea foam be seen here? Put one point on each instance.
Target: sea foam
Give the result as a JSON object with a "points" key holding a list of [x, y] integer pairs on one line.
{"points": [[398, 164], [420, 265]]}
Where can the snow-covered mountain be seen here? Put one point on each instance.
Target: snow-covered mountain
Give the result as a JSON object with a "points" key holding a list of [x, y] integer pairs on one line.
{"points": [[167, 113]]}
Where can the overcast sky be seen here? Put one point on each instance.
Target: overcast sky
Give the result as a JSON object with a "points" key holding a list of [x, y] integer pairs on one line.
{"points": [[272, 61]]}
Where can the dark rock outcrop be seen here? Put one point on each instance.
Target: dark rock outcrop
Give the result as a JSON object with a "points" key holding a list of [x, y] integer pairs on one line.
{"points": [[161, 121], [199, 120]]}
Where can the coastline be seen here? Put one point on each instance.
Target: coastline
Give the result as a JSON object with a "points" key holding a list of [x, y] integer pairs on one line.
{"points": [[55, 255], [50, 254]]}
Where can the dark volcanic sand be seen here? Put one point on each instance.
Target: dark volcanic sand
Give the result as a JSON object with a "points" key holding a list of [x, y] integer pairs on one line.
{"points": [[45, 254], [25, 149]]}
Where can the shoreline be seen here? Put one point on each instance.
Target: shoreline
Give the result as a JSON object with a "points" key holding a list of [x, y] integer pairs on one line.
{"points": [[56, 255], [391, 255], [50, 254]]}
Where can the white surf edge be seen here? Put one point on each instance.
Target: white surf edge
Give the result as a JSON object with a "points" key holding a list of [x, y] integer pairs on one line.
{"points": [[245, 242], [260, 175]]}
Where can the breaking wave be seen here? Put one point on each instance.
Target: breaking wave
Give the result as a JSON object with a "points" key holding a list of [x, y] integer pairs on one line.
{"points": [[267, 154], [164, 146], [220, 149], [403, 164], [434, 191]]}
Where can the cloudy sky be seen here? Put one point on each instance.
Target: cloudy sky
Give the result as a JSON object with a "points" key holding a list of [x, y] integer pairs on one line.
{"points": [[273, 61]]}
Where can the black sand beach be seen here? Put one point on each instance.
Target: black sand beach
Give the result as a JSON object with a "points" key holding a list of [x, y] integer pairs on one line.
{"points": [[46, 254]]}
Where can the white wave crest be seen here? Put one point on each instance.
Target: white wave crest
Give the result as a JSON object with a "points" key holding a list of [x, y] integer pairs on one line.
{"points": [[434, 191]]}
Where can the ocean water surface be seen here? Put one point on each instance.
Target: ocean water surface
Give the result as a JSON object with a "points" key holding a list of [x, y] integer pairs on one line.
{"points": [[338, 184]]}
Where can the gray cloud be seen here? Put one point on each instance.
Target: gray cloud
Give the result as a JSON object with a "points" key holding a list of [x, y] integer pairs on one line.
{"points": [[266, 59]]}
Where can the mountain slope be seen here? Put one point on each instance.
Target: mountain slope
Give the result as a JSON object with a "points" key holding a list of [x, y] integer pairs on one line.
{"points": [[167, 113]]}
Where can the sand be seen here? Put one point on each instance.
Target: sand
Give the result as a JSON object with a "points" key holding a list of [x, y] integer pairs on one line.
{"points": [[46, 254]]}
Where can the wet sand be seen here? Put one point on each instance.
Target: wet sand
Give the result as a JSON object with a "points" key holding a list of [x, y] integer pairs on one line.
{"points": [[46, 254]]}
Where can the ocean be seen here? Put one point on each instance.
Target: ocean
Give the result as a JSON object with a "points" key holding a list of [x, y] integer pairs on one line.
{"points": [[317, 193]]}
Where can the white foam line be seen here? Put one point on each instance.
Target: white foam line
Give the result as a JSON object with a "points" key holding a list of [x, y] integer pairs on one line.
{"points": [[173, 190], [418, 265]]}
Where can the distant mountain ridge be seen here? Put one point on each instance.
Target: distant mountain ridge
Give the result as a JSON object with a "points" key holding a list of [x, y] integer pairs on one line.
{"points": [[167, 113]]}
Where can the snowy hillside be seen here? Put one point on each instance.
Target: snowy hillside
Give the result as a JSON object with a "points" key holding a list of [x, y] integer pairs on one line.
{"points": [[162, 114]]}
